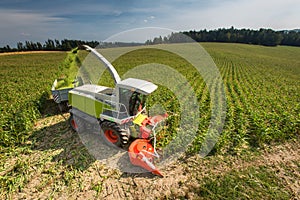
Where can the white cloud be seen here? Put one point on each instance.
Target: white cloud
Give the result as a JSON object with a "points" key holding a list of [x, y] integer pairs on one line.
{"points": [[9, 18], [149, 19], [16, 25], [258, 13], [276, 14], [101, 19]]}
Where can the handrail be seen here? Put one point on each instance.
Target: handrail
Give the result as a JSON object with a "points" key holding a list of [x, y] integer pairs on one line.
{"points": [[117, 106]]}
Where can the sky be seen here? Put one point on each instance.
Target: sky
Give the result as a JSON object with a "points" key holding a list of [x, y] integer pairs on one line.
{"points": [[38, 20]]}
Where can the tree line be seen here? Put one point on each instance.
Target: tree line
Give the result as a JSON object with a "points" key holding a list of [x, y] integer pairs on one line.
{"points": [[266, 37], [49, 45], [63, 45]]}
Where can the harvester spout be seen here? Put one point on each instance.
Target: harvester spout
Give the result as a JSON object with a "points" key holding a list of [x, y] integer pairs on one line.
{"points": [[107, 64]]}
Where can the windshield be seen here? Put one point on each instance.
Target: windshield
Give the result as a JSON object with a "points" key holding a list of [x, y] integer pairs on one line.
{"points": [[132, 100]]}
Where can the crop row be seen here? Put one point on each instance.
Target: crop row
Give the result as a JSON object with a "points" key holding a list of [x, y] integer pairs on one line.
{"points": [[262, 98], [25, 82], [260, 84]]}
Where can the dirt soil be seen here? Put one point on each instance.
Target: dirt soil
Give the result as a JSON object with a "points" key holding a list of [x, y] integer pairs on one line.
{"points": [[181, 178]]}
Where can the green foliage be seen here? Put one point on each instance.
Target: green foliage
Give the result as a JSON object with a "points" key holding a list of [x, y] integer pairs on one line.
{"points": [[262, 91], [252, 183], [25, 83], [16, 177], [261, 85], [68, 70]]}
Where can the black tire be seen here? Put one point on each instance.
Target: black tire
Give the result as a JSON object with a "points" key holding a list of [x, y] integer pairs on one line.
{"points": [[113, 135], [76, 123], [73, 123]]}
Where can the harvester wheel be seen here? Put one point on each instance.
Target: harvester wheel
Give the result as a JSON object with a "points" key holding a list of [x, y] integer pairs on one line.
{"points": [[113, 135], [73, 123]]}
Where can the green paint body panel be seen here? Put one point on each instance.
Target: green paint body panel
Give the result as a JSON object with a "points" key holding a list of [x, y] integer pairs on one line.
{"points": [[87, 102], [87, 105]]}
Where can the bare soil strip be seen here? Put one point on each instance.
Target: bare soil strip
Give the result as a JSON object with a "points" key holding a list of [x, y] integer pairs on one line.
{"points": [[181, 179]]}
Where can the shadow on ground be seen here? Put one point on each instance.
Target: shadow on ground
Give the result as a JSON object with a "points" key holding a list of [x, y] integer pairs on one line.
{"points": [[50, 108], [81, 149], [59, 136]]}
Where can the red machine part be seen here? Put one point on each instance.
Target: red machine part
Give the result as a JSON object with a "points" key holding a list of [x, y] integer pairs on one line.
{"points": [[141, 153], [146, 132], [158, 118], [111, 136]]}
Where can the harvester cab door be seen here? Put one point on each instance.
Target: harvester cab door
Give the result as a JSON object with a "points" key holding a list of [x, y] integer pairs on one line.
{"points": [[124, 96], [136, 103], [131, 101], [132, 94]]}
